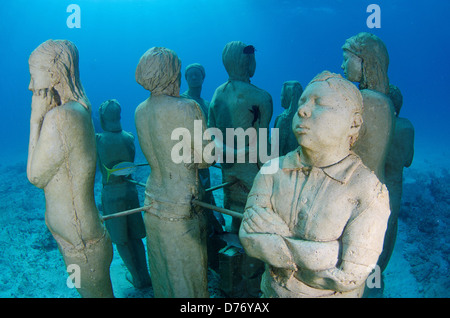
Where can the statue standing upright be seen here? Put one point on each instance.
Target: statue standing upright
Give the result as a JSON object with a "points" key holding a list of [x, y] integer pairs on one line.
{"points": [[114, 145], [366, 61], [195, 76], [400, 155], [239, 104], [176, 240], [62, 161], [290, 94], [319, 221]]}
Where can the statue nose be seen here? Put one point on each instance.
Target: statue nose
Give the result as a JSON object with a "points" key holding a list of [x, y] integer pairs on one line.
{"points": [[304, 112]]}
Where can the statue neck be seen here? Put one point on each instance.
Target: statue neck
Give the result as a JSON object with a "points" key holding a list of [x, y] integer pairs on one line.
{"points": [[195, 92]]}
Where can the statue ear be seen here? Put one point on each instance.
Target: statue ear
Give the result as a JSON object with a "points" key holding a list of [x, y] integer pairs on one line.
{"points": [[357, 121]]}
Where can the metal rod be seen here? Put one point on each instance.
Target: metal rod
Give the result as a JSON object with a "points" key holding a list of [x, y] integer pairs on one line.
{"points": [[124, 213], [225, 184], [137, 183], [218, 209], [194, 201]]}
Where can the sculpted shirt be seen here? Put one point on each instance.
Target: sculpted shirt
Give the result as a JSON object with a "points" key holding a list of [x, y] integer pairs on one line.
{"points": [[343, 206]]}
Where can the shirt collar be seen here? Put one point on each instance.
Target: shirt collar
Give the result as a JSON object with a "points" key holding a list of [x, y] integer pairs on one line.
{"points": [[340, 171]]}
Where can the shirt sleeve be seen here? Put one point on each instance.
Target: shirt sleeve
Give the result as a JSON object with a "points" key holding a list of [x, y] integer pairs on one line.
{"points": [[268, 247]]}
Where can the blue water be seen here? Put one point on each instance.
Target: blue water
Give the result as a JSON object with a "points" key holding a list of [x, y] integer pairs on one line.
{"points": [[294, 39]]}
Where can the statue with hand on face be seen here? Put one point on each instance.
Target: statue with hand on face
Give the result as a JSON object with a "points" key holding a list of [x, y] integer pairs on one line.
{"points": [[62, 161]]}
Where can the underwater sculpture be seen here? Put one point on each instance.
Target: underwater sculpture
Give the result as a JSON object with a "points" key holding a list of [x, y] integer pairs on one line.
{"points": [[239, 104], [400, 155], [290, 94], [195, 76], [319, 221], [115, 145], [62, 161], [366, 61], [176, 235]]}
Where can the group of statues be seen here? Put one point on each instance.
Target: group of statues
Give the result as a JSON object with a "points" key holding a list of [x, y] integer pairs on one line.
{"points": [[314, 228]]}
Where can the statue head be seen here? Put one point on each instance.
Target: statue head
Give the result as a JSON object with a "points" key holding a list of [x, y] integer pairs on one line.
{"points": [[290, 94], [374, 61], [396, 97], [329, 115], [159, 71], [194, 75], [109, 112], [239, 61], [54, 66]]}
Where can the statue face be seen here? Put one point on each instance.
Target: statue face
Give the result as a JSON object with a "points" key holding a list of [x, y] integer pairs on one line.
{"points": [[194, 77], [352, 66], [39, 79], [324, 118]]}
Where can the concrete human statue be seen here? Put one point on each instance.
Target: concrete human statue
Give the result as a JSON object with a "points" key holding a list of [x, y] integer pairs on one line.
{"points": [[318, 222], [114, 146], [239, 104], [176, 240], [62, 162], [366, 61], [400, 155], [195, 76], [290, 94]]}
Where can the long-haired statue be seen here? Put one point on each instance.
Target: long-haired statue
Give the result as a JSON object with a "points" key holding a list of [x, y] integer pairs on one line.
{"points": [[61, 161]]}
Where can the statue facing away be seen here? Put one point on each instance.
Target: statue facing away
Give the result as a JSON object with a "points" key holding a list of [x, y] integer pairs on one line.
{"points": [[400, 155], [366, 61], [62, 161], [290, 94], [176, 240], [239, 104], [319, 221], [195, 76], [114, 146]]}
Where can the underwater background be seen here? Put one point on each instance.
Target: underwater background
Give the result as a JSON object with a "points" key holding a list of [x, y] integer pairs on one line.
{"points": [[294, 40]]}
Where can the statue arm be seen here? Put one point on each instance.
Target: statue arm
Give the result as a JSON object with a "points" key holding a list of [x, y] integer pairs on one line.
{"points": [[45, 150], [198, 153], [362, 243], [262, 230]]}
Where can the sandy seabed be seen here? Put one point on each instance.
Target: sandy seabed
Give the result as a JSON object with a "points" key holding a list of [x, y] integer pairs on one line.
{"points": [[32, 267]]}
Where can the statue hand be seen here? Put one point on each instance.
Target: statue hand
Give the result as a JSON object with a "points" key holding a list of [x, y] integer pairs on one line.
{"points": [[264, 220], [41, 102]]}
